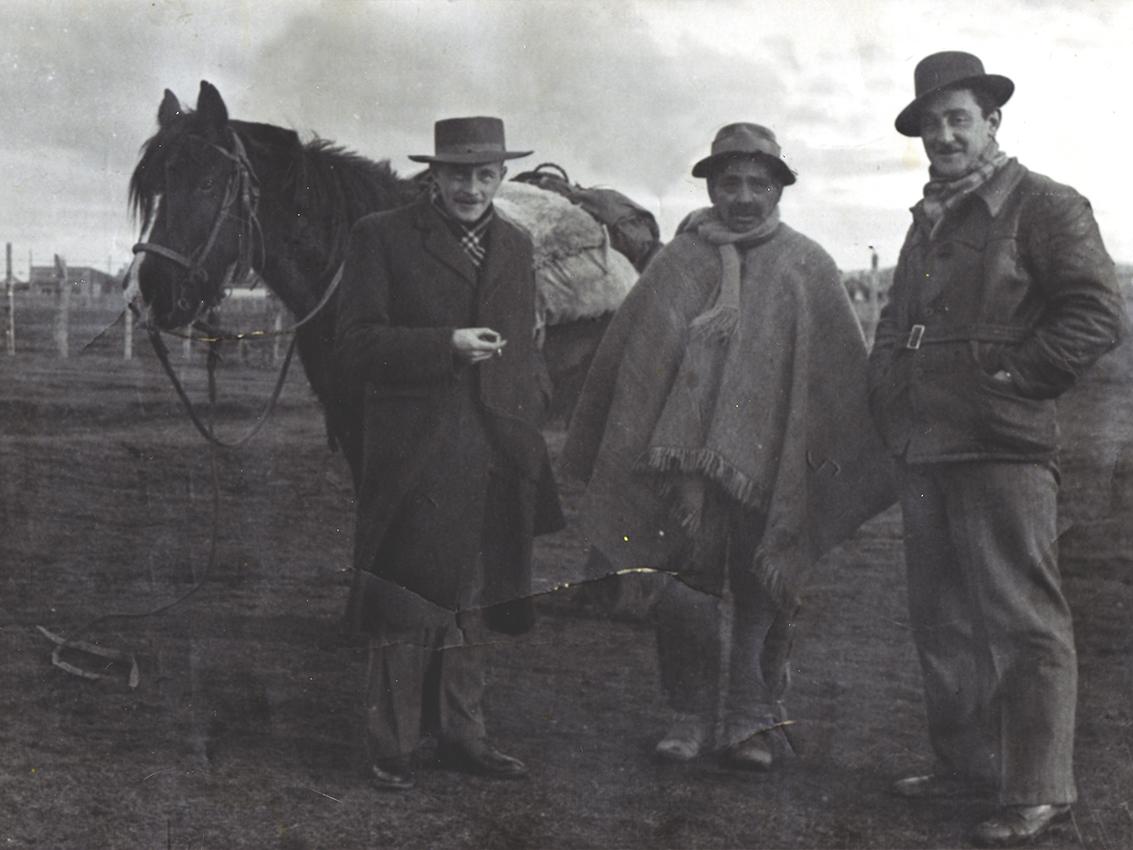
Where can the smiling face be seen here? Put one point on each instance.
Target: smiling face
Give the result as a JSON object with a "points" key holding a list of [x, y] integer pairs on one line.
{"points": [[955, 131], [467, 190], [744, 191]]}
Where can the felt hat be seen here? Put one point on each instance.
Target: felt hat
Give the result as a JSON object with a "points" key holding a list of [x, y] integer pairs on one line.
{"points": [[469, 141], [744, 139], [949, 69]]}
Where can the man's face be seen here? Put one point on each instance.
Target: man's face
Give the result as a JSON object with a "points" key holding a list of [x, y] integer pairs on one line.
{"points": [[744, 192], [467, 190], [955, 132]]}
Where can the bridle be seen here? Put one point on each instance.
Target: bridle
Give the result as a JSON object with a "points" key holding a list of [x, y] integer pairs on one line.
{"points": [[241, 190]]}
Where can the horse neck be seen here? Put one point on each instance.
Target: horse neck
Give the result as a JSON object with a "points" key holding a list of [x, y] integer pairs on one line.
{"points": [[311, 195]]}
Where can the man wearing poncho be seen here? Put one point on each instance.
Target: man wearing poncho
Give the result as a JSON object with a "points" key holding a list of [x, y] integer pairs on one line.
{"points": [[724, 437]]}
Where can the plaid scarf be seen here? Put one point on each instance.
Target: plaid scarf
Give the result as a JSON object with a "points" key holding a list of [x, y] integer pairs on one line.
{"points": [[471, 238], [940, 195]]}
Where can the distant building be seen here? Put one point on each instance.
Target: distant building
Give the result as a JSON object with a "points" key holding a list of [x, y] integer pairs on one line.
{"points": [[44, 280]]}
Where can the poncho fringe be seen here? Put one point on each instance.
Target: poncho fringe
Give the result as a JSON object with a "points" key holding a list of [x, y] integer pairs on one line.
{"points": [[706, 462]]}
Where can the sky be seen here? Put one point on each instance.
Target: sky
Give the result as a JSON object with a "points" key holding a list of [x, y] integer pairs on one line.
{"points": [[625, 94]]}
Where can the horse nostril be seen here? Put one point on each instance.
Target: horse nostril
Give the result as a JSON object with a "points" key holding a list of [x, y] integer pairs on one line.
{"points": [[184, 304]]}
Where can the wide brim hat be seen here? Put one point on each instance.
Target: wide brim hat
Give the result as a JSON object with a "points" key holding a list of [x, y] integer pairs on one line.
{"points": [[469, 141], [742, 140], [949, 69]]}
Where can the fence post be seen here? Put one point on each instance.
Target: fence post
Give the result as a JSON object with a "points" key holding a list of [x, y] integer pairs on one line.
{"points": [[10, 319], [874, 289], [61, 316], [128, 341], [11, 330]]}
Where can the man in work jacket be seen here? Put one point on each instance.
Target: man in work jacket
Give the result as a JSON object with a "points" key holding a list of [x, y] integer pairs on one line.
{"points": [[437, 319], [1002, 297]]}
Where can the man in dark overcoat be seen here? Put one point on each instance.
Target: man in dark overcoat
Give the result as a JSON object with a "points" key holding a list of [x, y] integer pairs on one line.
{"points": [[436, 319], [1002, 297]]}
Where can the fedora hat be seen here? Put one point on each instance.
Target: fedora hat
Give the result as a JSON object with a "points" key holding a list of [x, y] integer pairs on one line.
{"points": [[744, 139], [949, 69], [468, 141]]}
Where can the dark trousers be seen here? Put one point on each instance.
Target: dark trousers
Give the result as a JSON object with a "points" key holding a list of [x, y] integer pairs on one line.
{"points": [[427, 680], [992, 628]]}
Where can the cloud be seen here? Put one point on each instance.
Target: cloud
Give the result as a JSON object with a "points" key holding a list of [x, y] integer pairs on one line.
{"points": [[627, 95], [566, 77]]}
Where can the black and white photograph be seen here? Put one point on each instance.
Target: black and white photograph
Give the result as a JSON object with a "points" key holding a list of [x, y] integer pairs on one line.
{"points": [[508, 424]]}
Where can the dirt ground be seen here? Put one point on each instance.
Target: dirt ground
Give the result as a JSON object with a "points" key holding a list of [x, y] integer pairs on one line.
{"points": [[244, 728]]}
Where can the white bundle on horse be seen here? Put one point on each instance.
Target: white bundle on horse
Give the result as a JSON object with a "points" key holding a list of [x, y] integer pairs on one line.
{"points": [[578, 275]]}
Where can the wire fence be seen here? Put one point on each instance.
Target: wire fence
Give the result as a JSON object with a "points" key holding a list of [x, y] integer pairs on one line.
{"points": [[63, 325]]}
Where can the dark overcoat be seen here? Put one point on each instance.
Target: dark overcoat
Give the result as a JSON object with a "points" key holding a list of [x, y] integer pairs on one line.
{"points": [[407, 285]]}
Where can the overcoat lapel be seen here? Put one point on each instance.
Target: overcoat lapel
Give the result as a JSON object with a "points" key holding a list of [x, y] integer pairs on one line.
{"points": [[495, 269], [440, 243]]}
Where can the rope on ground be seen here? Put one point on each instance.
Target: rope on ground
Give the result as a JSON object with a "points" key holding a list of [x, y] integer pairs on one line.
{"points": [[72, 641], [207, 431]]}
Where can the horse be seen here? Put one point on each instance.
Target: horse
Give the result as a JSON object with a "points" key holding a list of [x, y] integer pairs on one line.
{"points": [[219, 198]]}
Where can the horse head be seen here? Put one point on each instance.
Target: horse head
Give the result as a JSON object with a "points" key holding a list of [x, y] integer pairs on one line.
{"points": [[195, 192]]}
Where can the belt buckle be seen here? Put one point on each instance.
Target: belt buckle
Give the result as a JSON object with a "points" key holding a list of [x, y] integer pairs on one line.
{"points": [[916, 334]]}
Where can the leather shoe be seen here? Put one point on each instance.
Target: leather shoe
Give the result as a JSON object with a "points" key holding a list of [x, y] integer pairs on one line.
{"points": [[931, 786], [481, 758], [1015, 825], [392, 775], [750, 754]]}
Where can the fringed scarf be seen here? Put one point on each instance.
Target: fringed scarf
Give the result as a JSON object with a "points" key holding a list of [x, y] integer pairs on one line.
{"points": [[719, 321], [942, 195]]}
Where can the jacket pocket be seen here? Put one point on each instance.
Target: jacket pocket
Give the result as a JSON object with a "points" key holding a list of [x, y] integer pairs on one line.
{"points": [[1014, 422]]}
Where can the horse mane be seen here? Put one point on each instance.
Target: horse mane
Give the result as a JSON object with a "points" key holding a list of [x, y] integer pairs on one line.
{"points": [[338, 186]]}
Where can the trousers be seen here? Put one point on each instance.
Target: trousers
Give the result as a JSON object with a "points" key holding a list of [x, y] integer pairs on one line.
{"points": [[714, 627], [992, 628], [427, 680]]}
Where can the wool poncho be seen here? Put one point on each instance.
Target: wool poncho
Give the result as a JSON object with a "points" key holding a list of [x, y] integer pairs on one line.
{"points": [[776, 417]]}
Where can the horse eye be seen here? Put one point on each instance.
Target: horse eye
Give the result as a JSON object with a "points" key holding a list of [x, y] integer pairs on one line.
{"points": [[206, 184]]}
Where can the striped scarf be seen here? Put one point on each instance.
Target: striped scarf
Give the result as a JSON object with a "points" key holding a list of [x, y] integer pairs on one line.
{"points": [[470, 237], [940, 195]]}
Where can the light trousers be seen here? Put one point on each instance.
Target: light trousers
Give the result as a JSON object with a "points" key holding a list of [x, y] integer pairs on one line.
{"points": [[992, 628]]}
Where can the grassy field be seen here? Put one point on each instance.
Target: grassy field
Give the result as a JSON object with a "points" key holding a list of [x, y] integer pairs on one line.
{"points": [[244, 730]]}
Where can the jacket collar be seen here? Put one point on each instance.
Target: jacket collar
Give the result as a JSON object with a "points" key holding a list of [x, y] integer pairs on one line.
{"points": [[994, 193], [996, 190]]}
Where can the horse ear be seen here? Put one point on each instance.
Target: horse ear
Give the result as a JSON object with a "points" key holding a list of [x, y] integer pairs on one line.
{"points": [[169, 110], [210, 106]]}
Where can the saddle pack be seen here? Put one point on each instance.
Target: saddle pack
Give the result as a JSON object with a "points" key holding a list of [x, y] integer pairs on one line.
{"points": [[633, 230]]}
